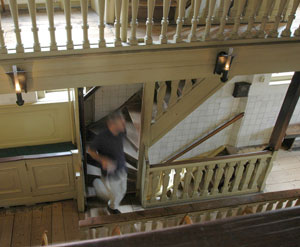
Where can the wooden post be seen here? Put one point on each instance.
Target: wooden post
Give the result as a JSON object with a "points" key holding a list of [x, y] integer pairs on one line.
{"points": [[286, 112], [147, 104]]}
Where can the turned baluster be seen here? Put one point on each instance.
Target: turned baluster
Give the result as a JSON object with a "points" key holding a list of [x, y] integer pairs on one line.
{"points": [[155, 183], [220, 11], [124, 21], [274, 32], [180, 20], [3, 49], [209, 19], [218, 176], [209, 172], [228, 175], [187, 182], [14, 12], [149, 23], [176, 182], [223, 19], [192, 36], [287, 31], [161, 93], [188, 85], [261, 32], [174, 92], [101, 23], [117, 23], [50, 13], [237, 20], [229, 213], [253, 10], [238, 176], [290, 203], [84, 12], [270, 206], [204, 12], [165, 22], [198, 178], [134, 12], [34, 28], [248, 174], [154, 225], [67, 11], [280, 204], [257, 172], [166, 178]]}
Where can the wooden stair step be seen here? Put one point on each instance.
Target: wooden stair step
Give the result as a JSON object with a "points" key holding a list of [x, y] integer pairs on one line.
{"points": [[135, 115]]}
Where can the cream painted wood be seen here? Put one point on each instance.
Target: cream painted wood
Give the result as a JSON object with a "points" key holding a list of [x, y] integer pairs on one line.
{"points": [[161, 93], [34, 29], [146, 116], [266, 15], [117, 23], [67, 12], [165, 22], [85, 27], [223, 19], [50, 10], [91, 67], [237, 20], [209, 19], [34, 124], [274, 32], [256, 173], [13, 180], [149, 23], [287, 31], [174, 93], [14, 13], [238, 173], [180, 20], [188, 85], [251, 19], [192, 36], [134, 22], [3, 49], [124, 20], [101, 23], [51, 175]]}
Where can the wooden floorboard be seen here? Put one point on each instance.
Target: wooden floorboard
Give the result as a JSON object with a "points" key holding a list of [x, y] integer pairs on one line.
{"points": [[58, 229], [71, 220], [47, 221], [22, 228], [36, 227], [6, 229]]}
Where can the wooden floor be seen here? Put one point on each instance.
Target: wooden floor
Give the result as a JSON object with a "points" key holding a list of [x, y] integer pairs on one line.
{"points": [[24, 226]]}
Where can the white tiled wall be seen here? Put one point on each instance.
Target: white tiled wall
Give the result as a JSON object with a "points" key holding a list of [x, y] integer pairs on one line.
{"points": [[109, 98], [261, 110]]}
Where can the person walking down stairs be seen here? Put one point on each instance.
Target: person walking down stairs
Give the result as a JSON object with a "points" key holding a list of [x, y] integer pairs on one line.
{"points": [[107, 150]]}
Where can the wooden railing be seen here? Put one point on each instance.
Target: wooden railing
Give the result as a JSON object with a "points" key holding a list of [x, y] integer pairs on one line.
{"points": [[252, 13], [190, 180], [167, 217]]}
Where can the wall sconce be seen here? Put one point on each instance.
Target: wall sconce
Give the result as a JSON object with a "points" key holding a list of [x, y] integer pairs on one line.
{"points": [[19, 82], [223, 65]]}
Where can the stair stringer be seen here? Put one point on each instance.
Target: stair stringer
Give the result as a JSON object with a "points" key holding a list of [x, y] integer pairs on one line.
{"points": [[185, 106]]}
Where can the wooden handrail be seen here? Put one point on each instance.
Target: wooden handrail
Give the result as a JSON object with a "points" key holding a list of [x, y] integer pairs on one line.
{"points": [[232, 156], [188, 208], [208, 136], [90, 92]]}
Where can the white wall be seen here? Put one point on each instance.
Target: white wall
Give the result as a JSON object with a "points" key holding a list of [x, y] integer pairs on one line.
{"points": [[109, 98], [261, 111]]}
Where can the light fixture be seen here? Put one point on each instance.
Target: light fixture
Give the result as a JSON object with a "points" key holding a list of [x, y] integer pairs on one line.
{"points": [[19, 82], [223, 65]]}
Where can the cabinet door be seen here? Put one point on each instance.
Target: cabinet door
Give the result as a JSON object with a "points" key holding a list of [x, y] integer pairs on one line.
{"points": [[13, 180], [51, 175]]}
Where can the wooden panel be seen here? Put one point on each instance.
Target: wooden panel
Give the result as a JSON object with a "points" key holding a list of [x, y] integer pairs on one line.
{"points": [[13, 180], [34, 124], [50, 176]]}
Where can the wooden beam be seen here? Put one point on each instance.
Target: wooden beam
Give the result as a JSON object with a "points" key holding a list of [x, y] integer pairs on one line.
{"points": [[90, 92], [208, 136], [286, 113]]}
